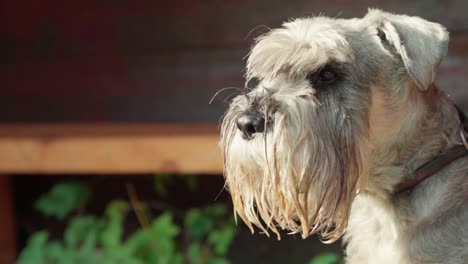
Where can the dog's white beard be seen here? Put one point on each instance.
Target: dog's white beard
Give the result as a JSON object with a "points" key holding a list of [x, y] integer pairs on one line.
{"points": [[300, 176]]}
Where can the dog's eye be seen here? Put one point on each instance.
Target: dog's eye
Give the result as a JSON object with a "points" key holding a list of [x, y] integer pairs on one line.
{"points": [[252, 83], [326, 76]]}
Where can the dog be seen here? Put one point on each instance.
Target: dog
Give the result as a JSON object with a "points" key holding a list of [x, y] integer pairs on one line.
{"points": [[338, 121]]}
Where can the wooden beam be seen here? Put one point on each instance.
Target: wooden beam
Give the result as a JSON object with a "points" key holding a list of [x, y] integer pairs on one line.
{"points": [[109, 148], [7, 223]]}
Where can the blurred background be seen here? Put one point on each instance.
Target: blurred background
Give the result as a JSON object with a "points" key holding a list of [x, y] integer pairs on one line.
{"points": [[108, 143]]}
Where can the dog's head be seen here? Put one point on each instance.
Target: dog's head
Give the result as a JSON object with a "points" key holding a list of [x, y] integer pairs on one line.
{"points": [[296, 144]]}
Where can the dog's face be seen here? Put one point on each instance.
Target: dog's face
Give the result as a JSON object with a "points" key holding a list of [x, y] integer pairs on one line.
{"points": [[296, 145]]}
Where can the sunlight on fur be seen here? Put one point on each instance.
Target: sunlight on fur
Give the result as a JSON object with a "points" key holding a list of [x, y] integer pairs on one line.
{"points": [[290, 178]]}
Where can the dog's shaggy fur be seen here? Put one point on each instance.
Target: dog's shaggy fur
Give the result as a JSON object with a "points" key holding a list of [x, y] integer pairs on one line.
{"points": [[333, 150]]}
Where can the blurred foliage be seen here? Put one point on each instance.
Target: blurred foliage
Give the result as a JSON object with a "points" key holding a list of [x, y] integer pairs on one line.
{"points": [[62, 199], [201, 235], [162, 182], [197, 236], [327, 258]]}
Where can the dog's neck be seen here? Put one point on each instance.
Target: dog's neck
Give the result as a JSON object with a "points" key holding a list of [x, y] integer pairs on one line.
{"points": [[426, 131], [439, 162], [432, 167]]}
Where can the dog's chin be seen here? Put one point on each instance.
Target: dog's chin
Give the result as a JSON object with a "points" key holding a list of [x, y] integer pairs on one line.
{"points": [[287, 179]]}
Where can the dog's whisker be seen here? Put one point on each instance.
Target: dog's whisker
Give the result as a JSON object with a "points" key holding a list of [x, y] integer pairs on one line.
{"points": [[224, 89], [220, 191], [255, 28], [225, 100]]}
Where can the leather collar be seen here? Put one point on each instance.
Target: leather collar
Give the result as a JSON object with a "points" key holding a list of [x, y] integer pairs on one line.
{"points": [[433, 166]]}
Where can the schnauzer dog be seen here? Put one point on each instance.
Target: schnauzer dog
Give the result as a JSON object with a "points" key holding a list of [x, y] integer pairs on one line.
{"points": [[341, 132]]}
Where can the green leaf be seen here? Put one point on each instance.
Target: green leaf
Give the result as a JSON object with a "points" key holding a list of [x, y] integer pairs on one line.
{"points": [[156, 244], [63, 199], [326, 258], [117, 209], [164, 232], [111, 235], [56, 252], [137, 242], [84, 255], [38, 239], [197, 223], [34, 252], [82, 232], [217, 260], [119, 257], [164, 227], [177, 258], [214, 211], [140, 246], [194, 253], [222, 239]]}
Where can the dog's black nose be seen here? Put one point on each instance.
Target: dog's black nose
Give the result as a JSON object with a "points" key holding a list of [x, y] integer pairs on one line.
{"points": [[250, 123]]}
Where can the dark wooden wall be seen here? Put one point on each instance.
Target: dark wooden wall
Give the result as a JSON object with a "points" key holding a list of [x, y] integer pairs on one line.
{"points": [[161, 61]]}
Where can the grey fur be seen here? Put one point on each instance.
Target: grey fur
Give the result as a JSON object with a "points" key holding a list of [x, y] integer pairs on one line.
{"points": [[331, 159]]}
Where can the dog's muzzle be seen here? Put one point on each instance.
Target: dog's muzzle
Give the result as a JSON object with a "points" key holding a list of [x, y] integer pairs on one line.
{"points": [[250, 123]]}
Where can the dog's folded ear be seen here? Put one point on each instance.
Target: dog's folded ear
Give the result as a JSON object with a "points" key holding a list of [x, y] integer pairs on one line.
{"points": [[420, 44]]}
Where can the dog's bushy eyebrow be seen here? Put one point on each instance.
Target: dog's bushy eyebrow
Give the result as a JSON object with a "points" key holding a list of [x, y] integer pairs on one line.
{"points": [[331, 65], [280, 51]]}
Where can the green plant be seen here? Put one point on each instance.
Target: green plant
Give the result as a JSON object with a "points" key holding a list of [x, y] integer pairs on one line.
{"points": [[62, 199], [201, 235], [327, 258], [201, 224]]}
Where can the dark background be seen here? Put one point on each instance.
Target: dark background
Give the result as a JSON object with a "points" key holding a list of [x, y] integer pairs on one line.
{"points": [[161, 61]]}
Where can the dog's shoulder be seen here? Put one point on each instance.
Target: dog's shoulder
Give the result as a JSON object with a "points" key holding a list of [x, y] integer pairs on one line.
{"points": [[440, 229]]}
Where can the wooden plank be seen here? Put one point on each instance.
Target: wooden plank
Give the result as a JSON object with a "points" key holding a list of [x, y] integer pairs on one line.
{"points": [[109, 148], [7, 223]]}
